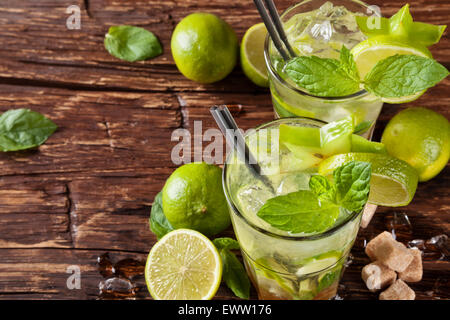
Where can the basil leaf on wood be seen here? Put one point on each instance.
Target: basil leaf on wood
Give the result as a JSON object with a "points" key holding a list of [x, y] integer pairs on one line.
{"points": [[23, 129], [131, 43]]}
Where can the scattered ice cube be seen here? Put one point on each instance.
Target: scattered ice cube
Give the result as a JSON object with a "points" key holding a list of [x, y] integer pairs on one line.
{"points": [[322, 31], [252, 197], [293, 183]]}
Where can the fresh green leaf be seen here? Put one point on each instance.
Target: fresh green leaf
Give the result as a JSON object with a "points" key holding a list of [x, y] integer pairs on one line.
{"points": [[362, 127], [321, 76], [159, 224], [226, 243], [299, 212], [234, 274], [23, 129], [352, 182], [323, 188], [131, 43], [348, 64], [403, 75]]}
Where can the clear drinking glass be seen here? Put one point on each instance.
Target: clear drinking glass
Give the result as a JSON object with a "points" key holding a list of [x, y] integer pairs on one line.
{"points": [[283, 265], [319, 27]]}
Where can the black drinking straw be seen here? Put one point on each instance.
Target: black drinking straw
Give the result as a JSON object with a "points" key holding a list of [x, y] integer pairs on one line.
{"points": [[234, 137], [275, 28]]}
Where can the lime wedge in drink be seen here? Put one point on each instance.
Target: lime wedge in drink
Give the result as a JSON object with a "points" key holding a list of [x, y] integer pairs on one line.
{"points": [[183, 265], [393, 181], [252, 55], [319, 263], [360, 144]]}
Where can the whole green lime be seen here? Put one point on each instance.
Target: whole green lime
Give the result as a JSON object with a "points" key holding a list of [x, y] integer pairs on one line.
{"points": [[193, 198], [421, 137], [204, 47]]}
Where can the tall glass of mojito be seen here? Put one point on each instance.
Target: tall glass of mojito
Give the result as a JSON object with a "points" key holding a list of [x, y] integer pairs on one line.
{"points": [[319, 28], [296, 248]]}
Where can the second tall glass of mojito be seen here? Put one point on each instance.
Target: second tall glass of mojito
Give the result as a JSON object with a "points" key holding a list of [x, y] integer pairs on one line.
{"points": [[283, 265], [320, 28]]}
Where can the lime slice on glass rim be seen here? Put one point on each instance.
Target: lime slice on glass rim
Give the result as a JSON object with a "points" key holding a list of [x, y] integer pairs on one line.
{"points": [[252, 55], [183, 265], [367, 53], [393, 181]]}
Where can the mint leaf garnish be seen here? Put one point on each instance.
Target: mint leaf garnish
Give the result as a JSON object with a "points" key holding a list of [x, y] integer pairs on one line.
{"points": [[131, 43], [22, 129], [226, 243], [403, 75], [316, 210], [353, 184], [299, 212], [233, 273], [348, 64], [159, 224], [323, 188], [322, 76]]}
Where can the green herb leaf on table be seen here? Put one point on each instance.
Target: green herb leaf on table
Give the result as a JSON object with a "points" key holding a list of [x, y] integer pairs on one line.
{"points": [[321, 76], [403, 75], [353, 184], [22, 129], [299, 212], [131, 43], [234, 273], [226, 243], [159, 224]]}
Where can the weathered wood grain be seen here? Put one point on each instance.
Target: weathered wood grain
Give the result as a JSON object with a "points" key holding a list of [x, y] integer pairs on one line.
{"points": [[38, 48]]}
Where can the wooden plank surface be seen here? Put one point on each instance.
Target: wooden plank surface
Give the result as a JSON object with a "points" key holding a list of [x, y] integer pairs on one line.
{"points": [[88, 190]]}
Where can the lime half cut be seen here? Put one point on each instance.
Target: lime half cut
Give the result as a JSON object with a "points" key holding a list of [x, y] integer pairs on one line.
{"points": [[183, 265], [393, 181], [252, 55], [374, 49]]}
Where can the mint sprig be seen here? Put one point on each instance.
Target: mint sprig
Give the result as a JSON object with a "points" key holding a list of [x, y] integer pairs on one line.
{"points": [[353, 184], [233, 272], [316, 210], [395, 76], [403, 75], [320, 76]]}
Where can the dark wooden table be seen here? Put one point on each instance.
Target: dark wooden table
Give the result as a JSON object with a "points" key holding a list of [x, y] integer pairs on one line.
{"points": [[85, 195]]}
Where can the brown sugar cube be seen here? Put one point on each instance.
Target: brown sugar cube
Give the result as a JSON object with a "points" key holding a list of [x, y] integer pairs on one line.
{"points": [[377, 276], [369, 211], [375, 242], [398, 291], [391, 253], [414, 271]]}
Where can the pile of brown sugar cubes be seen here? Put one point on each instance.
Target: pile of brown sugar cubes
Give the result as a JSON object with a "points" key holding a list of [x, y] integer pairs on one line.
{"points": [[393, 265]]}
